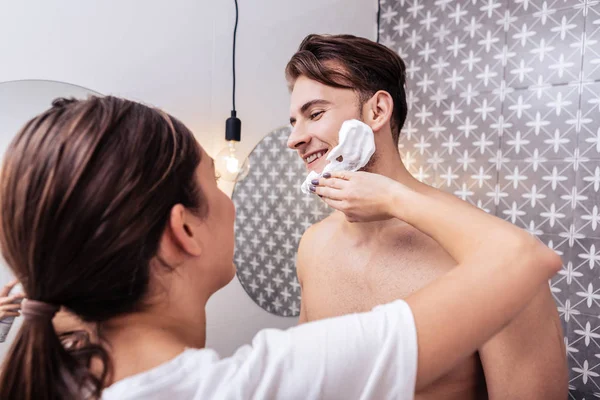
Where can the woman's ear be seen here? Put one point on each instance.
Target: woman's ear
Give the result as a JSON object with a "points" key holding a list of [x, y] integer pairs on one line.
{"points": [[184, 230], [378, 110]]}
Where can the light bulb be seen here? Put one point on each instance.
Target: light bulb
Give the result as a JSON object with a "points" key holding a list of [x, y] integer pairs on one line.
{"points": [[230, 165]]}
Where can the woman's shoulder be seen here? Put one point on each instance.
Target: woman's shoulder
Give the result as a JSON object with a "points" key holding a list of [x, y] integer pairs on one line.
{"points": [[176, 378]]}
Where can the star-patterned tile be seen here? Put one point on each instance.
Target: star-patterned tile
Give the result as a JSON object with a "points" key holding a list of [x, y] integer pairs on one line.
{"points": [[272, 215], [533, 66]]}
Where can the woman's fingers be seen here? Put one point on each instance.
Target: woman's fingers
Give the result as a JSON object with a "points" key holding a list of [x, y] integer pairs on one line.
{"points": [[327, 192], [6, 314], [8, 287], [10, 299], [344, 175], [10, 307], [334, 183], [331, 186]]}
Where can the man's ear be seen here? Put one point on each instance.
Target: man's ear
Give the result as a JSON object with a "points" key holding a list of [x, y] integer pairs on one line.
{"points": [[184, 230], [378, 110]]}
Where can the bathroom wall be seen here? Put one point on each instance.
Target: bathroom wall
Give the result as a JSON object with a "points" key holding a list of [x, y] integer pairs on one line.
{"points": [[177, 55], [504, 99]]}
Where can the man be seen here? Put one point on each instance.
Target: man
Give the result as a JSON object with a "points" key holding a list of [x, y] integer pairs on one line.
{"points": [[348, 267]]}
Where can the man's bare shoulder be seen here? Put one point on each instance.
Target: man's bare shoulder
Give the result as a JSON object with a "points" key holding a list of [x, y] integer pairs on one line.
{"points": [[326, 226], [314, 240]]}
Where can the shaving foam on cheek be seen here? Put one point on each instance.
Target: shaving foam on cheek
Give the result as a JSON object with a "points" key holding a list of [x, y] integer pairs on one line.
{"points": [[355, 149]]}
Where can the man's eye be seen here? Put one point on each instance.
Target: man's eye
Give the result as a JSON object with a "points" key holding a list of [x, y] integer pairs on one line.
{"points": [[316, 114]]}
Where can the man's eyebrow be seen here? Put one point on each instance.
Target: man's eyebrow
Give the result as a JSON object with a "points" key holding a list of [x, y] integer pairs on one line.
{"points": [[316, 102], [309, 104]]}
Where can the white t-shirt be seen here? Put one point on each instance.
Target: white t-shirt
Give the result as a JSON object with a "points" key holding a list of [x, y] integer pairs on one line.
{"points": [[359, 356]]}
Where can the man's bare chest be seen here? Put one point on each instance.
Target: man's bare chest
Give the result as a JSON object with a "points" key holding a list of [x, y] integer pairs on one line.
{"points": [[348, 278]]}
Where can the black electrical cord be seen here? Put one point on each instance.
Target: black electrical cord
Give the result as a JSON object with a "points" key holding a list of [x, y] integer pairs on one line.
{"points": [[234, 37], [378, 18], [233, 125]]}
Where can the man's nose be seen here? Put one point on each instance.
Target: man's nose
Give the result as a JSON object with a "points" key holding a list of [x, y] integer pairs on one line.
{"points": [[298, 138]]}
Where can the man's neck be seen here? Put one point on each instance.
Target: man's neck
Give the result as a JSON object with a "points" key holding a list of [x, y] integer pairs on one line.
{"points": [[388, 164]]}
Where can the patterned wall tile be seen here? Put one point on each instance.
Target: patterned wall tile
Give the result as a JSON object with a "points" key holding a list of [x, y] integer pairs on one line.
{"points": [[585, 294], [542, 119], [589, 121], [591, 57], [561, 283], [539, 164], [545, 47], [587, 214], [272, 215], [537, 199], [583, 333], [525, 7]]}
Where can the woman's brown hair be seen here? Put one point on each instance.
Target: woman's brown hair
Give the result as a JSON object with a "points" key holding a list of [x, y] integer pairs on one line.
{"points": [[86, 190]]}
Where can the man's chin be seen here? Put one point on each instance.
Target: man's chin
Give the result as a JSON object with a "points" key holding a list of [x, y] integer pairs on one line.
{"points": [[317, 168]]}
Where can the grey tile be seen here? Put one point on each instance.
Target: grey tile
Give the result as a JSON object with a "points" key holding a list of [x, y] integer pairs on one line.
{"points": [[410, 53], [586, 255], [517, 112], [559, 105], [585, 291], [412, 101], [583, 347], [589, 135], [408, 137], [541, 121], [579, 394], [413, 67], [591, 56], [458, 14], [417, 166], [545, 49], [415, 157], [429, 74], [474, 177], [530, 7], [464, 118], [421, 144], [474, 56], [563, 216], [587, 212], [470, 193], [560, 284], [536, 199], [555, 211]]}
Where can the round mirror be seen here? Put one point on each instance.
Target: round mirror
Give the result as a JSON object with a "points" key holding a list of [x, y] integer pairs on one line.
{"points": [[19, 102], [272, 214]]}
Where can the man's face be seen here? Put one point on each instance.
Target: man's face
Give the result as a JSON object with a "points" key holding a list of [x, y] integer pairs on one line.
{"points": [[317, 112]]}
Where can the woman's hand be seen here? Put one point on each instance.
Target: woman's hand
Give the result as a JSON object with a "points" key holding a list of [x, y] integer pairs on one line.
{"points": [[361, 196], [8, 305]]}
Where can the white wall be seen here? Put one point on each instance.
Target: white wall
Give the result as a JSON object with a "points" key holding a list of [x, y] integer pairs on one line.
{"points": [[177, 55]]}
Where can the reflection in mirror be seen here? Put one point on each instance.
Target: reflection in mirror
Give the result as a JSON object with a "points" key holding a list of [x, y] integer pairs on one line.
{"points": [[19, 102], [271, 217]]}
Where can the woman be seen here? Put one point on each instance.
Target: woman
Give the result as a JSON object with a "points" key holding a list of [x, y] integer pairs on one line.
{"points": [[111, 209]]}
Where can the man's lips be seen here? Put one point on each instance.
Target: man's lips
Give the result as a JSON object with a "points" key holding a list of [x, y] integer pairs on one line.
{"points": [[314, 156]]}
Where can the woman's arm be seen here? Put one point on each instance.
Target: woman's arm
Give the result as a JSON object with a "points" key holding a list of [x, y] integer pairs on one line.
{"points": [[500, 267]]}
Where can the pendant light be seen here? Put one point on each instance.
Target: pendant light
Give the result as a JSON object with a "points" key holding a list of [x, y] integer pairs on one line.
{"points": [[230, 165]]}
